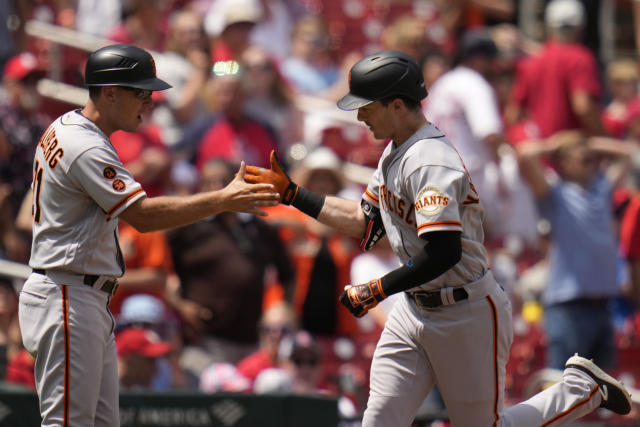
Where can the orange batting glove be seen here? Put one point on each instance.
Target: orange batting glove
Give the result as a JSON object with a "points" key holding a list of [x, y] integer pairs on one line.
{"points": [[276, 176], [359, 299]]}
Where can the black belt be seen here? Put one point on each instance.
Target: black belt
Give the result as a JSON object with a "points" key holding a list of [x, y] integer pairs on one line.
{"points": [[433, 299], [108, 286]]}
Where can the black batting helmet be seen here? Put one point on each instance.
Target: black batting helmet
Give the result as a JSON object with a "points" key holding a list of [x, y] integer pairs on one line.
{"points": [[123, 65], [383, 74]]}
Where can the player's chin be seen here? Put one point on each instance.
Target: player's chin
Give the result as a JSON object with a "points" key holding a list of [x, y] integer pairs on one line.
{"points": [[133, 125]]}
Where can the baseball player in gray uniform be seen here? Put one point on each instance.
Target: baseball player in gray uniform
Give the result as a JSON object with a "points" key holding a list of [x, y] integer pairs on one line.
{"points": [[80, 189], [453, 327]]}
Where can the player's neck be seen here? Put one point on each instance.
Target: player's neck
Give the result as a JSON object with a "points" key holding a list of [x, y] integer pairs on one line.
{"points": [[408, 126], [91, 112]]}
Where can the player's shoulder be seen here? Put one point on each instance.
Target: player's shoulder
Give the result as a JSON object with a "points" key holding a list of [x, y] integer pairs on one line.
{"points": [[76, 134], [435, 150]]}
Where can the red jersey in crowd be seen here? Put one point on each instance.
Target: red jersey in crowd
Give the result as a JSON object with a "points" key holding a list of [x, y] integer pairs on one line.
{"points": [[544, 84]]}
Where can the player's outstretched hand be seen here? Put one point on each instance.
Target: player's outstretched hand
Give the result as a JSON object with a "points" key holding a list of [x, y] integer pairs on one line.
{"points": [[275, 176], [359, 299], [241, 196]]}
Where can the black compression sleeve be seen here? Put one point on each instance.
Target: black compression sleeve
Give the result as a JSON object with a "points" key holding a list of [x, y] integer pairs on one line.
{"points": [[442, 251]]}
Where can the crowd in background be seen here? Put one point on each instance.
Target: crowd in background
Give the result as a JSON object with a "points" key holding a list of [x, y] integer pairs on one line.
{"points": [[548, 128]]}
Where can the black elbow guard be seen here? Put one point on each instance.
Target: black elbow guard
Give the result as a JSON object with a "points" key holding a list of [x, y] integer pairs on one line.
{"points": [[374, 229]]}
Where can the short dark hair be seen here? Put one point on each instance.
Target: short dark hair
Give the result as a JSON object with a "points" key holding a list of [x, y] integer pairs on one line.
{"points": [[411, 104], [94, 92]]}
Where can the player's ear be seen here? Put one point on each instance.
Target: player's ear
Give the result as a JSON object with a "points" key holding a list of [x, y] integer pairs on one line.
{"points": [[109, 93], [398, 105]]}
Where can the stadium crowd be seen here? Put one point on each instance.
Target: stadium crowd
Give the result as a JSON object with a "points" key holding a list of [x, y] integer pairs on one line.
{"points": [[548, 127]]}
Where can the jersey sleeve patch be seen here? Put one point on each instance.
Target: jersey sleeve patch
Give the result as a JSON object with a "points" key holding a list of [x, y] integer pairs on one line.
{"points": [[118, 185], [109, 172], [430, 201]]}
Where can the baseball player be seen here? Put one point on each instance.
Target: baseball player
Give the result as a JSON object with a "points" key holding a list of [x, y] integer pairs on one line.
{"points": [[80, 189], [453, 325]]}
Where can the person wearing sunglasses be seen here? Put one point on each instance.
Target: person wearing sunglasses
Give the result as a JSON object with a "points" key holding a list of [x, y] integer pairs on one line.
{"points": [[80, 191]]}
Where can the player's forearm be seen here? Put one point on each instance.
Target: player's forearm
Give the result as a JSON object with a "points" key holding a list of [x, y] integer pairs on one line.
{"points": [[343, 215], [159, 213]]}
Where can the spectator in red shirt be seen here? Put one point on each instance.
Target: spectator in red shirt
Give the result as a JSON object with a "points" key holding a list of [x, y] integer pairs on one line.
{"points": [[558, 88], [232, 134], [622, 80]]}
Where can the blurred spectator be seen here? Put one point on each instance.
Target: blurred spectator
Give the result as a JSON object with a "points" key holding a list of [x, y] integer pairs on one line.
{"points": [[622, 81], [299, 369], [310, 68], [269, 99], [583, 264], [464, 106], [143, 24], [228, 24], [300, 372], [229, 133], [277, 322], [408, 34], [146, 157], [138, 351], [147, 257], [185, 65], [147, 312], [98, 17], [221, 262], [321, 256], [223, 377], [21, 123], [273, 33], [434, 64], [300, 358], [559, 88]]}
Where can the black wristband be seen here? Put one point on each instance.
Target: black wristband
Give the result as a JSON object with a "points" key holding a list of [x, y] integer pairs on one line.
{"points": [[308, 202]]}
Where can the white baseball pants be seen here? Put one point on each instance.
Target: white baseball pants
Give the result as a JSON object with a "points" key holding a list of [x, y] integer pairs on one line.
{"points": [[69, 329], [464, 349]]}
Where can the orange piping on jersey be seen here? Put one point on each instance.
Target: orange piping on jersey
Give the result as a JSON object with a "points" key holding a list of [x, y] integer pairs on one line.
{"points": [[123, 201], [573, 408], [439, 224], [67, 355], [471, 200], [496, 381], [372, 196]]}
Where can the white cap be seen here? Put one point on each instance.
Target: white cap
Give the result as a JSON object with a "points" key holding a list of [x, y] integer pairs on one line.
{"points": [[564, 13], [224, 13]]}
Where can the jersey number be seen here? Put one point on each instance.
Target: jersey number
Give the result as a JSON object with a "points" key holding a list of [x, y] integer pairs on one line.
{"points": [[37, 185]]}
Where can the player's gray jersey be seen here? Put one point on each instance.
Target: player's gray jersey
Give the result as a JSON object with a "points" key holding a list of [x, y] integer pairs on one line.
{"points": [[79, 188], [423, 186]]}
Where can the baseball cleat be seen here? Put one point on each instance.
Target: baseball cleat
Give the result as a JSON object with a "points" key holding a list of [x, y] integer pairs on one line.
{"points": [[615, 397]]}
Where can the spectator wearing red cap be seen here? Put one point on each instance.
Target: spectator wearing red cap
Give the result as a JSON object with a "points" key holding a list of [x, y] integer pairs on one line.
{"points": [[138, 351]]}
